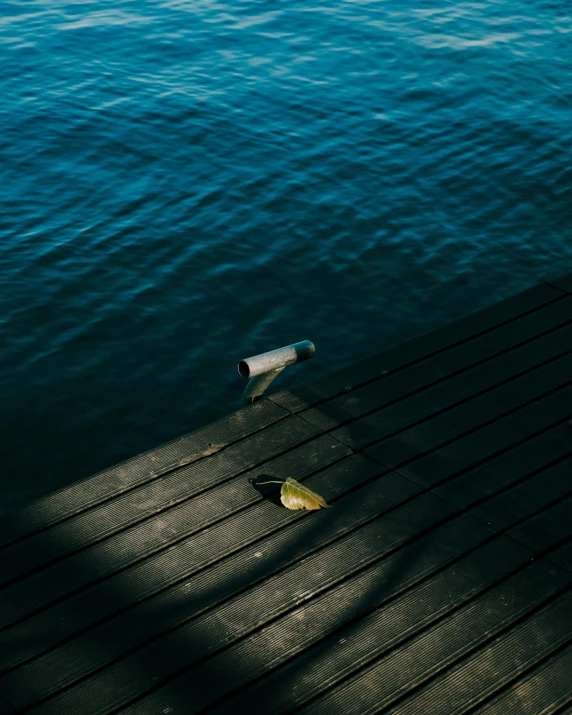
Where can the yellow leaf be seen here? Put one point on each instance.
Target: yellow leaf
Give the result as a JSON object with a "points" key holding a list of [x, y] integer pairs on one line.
{"points": [[296, 496]]}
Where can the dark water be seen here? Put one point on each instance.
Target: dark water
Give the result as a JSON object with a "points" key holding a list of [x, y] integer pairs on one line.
{"points": [[184, 184]]}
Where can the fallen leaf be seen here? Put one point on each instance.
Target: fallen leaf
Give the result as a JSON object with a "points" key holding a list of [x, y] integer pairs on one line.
{"points": [[296, 496]]}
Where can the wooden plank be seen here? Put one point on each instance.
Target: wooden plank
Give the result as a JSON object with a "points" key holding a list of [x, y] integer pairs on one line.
{"points": [[122, 477], [497, 665], [433, 401], [547, 529], [90, 527], [527, 497], [563, 283], [543, 690], [256, 539], [453, 375], [418, 348], [317, 658], [127, 679], [520, 462], [461, 455], [407, 668], [465, 418]]}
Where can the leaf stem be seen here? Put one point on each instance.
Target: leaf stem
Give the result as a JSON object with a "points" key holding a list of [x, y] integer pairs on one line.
{"points": [[270, 482]]}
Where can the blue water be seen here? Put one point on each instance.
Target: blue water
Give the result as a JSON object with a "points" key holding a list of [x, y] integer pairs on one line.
{"points": [[185, 184]]}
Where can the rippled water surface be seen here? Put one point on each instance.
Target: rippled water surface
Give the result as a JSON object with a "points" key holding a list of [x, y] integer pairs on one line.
{"points": [[188, 183]]}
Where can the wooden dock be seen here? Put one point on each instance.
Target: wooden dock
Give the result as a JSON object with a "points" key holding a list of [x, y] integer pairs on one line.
{"points": [[440, 583]]}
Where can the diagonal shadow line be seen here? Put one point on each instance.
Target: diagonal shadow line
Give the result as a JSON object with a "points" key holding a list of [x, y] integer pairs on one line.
{"points": [[289, 546], [225, 588], [241, 583], [207, 647], [308, 470], [383, 556]]}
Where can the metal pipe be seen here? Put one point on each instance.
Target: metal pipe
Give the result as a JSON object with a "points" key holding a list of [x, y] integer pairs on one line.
{"points": [[263, 369]]}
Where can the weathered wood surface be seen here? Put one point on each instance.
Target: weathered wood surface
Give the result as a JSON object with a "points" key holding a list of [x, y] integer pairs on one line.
{"points": [[440, 582]]}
